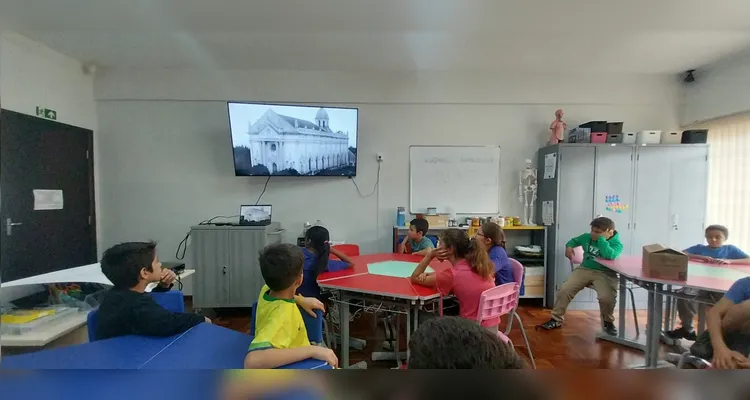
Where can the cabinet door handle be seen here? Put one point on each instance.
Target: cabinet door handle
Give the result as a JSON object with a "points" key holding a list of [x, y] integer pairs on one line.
{"points": [[224, 270]]}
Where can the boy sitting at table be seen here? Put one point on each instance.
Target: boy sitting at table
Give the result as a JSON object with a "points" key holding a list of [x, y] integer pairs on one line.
{"points": [[415, 241], [280, 333], [715, 252], [727, 340], [603, 241], [127, 309]]}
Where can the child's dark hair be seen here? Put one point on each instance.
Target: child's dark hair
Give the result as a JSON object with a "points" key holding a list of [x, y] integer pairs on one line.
{"points": [[721, 228], [458, 343], [468, 249], [317, 238], [495, 233], [280, 265], [603, 223], [122, 263], [420, 225]]}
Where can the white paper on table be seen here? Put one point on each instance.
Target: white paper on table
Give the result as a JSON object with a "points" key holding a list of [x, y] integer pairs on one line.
{"points": [[48, 199], [550, 165], [548, 212]]}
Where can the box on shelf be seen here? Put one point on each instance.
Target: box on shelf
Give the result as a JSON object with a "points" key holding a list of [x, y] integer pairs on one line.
{"points": [[614, 128], [614, 138], [435, 221], [598, 137], [595, 126], [648, 137], [671, 138], [533, 290], [628, 137], [20, 328], [579, 135], [695, 136], [662, 262]]}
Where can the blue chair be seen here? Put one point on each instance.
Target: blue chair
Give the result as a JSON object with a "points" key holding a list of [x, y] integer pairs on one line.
{"points": [[172, 300], [314, 326]]}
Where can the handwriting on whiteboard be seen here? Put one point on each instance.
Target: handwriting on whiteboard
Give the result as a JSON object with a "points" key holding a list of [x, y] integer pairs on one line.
{"points": [[467, 160]]}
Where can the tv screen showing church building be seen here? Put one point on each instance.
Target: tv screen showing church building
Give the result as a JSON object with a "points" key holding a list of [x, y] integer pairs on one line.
{"points": [[278, 140]]}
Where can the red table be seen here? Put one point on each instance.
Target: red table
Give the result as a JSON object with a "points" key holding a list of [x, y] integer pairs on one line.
{"points": [[708, 277], [357, 283]]}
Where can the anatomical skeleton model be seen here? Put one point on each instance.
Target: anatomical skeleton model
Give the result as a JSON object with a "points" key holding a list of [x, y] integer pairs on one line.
{"points": [[527, 192]]}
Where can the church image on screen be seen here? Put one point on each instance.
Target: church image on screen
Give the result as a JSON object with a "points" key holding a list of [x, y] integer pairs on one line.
{"points": [[293, 140]]}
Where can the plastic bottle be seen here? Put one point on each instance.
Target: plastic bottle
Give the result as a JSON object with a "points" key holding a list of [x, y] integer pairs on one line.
{"points": [[401, 216]]}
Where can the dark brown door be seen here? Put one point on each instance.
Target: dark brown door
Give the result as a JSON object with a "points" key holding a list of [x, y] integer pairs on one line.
{"points": [[51, 158]]}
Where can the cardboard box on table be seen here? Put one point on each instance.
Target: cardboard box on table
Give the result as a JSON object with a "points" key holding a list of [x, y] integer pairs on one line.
{"points": [[662, 262]]}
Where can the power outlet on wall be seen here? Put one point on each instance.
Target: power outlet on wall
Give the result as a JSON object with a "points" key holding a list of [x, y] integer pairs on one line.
{"points": [[379, 157]]}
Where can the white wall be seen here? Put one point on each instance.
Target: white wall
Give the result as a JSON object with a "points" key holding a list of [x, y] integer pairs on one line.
{"points": [[33, 75], [719, 90], [166, 159]]}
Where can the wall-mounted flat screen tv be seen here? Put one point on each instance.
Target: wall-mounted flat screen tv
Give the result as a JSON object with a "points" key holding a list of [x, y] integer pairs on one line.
{"points": [[291, 140]]}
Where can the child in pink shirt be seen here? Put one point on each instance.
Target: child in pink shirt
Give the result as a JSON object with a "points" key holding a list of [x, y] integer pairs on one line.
{"points": [[472, 272]]}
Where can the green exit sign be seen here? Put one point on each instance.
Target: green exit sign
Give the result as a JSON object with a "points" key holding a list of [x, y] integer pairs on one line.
{"points": [[46, 113]]}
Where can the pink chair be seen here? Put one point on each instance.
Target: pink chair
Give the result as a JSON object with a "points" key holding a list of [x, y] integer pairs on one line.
{"points": [[518, 272], [578, 259], [496, 302]]}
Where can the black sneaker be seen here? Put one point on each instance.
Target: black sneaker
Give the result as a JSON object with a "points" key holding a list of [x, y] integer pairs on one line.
{"points": [[551, 324], [681, 333], [609, 329]]}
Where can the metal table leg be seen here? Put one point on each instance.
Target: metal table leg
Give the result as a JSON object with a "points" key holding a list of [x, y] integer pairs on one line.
{"points": [[620, 338], [701, 317], [408, 327], [344, 324], [623, 307], [668, 311], [653, 327]]}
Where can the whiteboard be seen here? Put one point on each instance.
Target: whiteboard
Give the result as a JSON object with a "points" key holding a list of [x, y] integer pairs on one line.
{"points": [[454, 179]]}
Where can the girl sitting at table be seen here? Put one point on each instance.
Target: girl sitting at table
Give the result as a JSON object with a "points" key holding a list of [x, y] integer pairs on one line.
{"points": [[491, 239], [317, 253], [471, 273]]}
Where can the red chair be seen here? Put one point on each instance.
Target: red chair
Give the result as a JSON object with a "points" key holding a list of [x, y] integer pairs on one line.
{"points": [[351, 250]]}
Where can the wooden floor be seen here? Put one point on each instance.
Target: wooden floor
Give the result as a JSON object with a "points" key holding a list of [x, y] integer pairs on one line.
{"points": [[573, 346]]}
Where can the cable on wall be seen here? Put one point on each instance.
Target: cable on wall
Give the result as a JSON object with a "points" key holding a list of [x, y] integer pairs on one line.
{"points": [[264, 190], [374, 187]]}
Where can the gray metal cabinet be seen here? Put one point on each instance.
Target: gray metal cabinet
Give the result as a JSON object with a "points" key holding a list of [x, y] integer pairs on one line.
{"points": [[225, 259], [661, 191]]}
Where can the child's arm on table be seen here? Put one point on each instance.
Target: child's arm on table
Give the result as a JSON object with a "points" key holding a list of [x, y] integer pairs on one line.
{"points": [[736, 256], [336, 265], [402, 245], [273, 358], [418, 276]]}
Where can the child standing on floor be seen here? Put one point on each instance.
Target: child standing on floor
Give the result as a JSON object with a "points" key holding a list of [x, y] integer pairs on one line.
{"points": [[317, 253], [472, 272], [492, 239], [603, 241], [715, 252]]}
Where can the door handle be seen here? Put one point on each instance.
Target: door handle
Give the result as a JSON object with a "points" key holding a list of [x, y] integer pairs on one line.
{"points": [[224, 270], [9, 224]]}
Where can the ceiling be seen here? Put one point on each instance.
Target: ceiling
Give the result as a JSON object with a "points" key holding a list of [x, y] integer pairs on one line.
{"points": [[586, 36]]}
